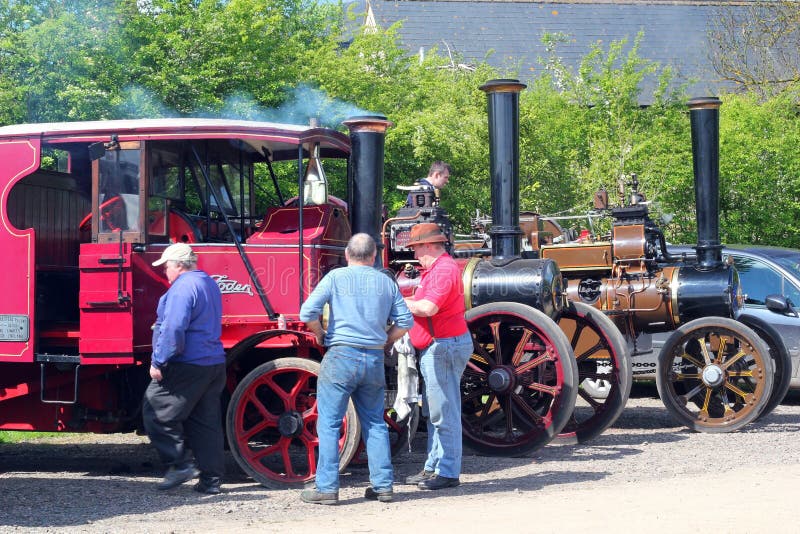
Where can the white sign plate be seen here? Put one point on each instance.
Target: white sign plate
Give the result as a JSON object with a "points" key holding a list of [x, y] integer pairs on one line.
{"points": [[14, 327]]}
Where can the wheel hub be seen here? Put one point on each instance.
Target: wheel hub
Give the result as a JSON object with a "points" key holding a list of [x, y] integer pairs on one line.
{"points": [[290, 424], [713, 375], [500, 379]]}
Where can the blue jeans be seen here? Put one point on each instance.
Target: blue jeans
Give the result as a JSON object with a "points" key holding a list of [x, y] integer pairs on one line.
{"points": [[350, 372], [442, 365]]}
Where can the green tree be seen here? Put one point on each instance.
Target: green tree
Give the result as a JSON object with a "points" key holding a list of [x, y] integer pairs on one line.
{"points": [[759, 170], [196, 54], [603, 135], [435, 104], [59, 60]]}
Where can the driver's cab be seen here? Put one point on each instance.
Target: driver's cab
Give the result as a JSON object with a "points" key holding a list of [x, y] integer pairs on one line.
{"points": [[145, 195], [188, 191]]}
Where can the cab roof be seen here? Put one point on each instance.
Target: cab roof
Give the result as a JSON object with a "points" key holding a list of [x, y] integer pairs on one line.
{"points": [[281, 140]]}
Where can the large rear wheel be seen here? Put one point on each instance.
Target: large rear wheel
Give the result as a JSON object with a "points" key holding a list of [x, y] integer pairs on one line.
{"points": [[605, 374], [518, 390], [714, 374], [271, 423]]}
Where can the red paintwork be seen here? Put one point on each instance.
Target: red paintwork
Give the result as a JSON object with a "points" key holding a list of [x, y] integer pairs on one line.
{"points": [[323, 226], [19, 158]]}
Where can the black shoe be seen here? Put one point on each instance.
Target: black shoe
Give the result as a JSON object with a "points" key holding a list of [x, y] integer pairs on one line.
{"points": [[175, 477], [419, 477], [384, 495], [438, 482], [209, 488], [313, 496]]}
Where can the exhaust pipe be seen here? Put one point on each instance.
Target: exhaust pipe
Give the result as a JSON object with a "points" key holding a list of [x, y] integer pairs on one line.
{"points": [[365, 183], [503, 108], [704, 115]]}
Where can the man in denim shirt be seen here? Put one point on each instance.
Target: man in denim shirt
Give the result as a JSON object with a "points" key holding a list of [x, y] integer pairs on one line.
{"points": [[363, 301], [182, 408]]}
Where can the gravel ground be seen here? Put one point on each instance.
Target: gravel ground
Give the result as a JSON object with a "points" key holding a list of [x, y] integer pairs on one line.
{"points": [[645, 473]]}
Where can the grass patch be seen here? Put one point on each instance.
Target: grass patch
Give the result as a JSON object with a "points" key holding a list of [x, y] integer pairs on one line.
{"points": [[13, 436]]}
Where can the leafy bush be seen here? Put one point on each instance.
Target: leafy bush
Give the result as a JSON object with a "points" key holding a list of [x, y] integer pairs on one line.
{"points": [[580, 129]]}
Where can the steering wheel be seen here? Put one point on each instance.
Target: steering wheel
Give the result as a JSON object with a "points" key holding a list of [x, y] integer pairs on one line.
{"points": [[111, 210]]}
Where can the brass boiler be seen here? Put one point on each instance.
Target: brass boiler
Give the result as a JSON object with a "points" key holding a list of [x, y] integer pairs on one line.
{"points": [[632, 277]]}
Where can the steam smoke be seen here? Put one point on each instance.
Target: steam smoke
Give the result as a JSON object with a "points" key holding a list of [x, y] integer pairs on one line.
{"points": [[303, 103], [139, 103]]}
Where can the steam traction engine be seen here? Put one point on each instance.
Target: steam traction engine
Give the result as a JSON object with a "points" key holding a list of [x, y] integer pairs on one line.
{"points": [[86, 207], [714, 374], [518, 390]]}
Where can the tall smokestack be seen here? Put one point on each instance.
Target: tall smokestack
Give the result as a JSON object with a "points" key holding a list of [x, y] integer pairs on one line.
{"points": [[503, 106], [704, 115], [367, 138]]}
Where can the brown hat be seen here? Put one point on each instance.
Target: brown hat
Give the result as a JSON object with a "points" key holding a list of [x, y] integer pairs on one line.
{"points": [[426, 233]]}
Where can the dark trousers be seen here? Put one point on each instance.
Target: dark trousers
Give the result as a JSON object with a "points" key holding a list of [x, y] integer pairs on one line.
{"points": [[182, 415]]}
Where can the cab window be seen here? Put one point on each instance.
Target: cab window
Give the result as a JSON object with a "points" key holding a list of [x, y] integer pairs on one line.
{"points": [[117, 192]]}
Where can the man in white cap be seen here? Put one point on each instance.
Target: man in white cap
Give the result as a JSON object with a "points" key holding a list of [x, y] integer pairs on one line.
{"points": [[181, 411]]}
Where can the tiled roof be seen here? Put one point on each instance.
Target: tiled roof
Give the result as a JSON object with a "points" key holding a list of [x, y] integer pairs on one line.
{"points": [[508, 32]]}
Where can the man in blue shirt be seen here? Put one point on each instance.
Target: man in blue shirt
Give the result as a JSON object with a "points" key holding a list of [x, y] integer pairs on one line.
{"points": [[181, 410], [363, 302]]}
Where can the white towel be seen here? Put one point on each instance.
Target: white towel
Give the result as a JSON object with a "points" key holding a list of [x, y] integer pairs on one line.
{"points": [[407, 377]]}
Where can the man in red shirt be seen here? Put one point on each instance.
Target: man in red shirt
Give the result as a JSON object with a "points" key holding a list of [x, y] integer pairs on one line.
{"points": [[441, 335]]}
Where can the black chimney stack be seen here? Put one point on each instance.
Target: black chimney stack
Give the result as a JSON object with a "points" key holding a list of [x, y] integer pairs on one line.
{"points": [[365, 185], [704, 114], [503, 104]]}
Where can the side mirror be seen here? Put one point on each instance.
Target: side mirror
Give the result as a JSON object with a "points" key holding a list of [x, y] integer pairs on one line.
{"points": [[97, 151], [779, 304]]}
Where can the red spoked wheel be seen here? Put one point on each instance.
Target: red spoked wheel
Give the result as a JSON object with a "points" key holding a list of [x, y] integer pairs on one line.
{"points": [[519, 388], [271, 423], [605, 373]]}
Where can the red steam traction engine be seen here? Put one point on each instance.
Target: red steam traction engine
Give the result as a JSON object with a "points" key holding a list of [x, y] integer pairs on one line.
{"points": [[85, 209]]}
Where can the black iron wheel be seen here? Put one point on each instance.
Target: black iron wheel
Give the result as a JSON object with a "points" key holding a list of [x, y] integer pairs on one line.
{"points": [[714, 374], [602, 355], [519, 388]]}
